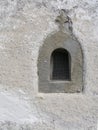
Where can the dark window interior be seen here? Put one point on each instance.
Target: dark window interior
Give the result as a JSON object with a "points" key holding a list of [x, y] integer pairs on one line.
{"points": [[60, 65]]}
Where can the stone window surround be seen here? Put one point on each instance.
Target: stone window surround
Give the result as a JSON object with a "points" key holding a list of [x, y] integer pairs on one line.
{"points": [[55, 41]]}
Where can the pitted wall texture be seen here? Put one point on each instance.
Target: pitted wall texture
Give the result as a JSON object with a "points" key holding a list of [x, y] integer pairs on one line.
{"points": [[24, 25]]}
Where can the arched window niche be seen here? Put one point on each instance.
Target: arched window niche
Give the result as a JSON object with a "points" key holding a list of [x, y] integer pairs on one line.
{"points": [[60, 65]]}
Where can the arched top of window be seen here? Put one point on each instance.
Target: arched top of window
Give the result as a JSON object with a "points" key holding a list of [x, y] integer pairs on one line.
{"points": [[60, 65], [62, 50]]}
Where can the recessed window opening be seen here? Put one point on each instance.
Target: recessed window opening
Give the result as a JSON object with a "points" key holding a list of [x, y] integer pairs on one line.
{"points": [[60, 65]]}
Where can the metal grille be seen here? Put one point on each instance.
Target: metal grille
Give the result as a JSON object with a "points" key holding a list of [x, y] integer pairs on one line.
{"points": [[61, 67]]}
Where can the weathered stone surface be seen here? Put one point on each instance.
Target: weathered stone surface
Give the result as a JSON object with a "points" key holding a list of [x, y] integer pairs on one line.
{"points": [[60, 40], [24, 25]]}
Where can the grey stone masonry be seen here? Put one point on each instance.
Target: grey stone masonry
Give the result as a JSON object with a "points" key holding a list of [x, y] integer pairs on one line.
{"points": [[60, 40]]}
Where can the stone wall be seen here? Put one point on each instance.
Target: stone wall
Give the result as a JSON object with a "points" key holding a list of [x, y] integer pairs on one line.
{"points": [[24, 25]]}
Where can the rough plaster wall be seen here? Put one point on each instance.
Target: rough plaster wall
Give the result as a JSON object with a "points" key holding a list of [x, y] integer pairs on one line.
{"points": [[24, 24]]}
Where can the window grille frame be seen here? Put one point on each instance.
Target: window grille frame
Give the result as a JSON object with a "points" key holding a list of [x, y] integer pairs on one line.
{"points": [[60, 50]]}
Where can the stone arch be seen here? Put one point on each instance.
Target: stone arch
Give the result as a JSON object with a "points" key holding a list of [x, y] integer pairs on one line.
{"points": [[51, 43]]}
